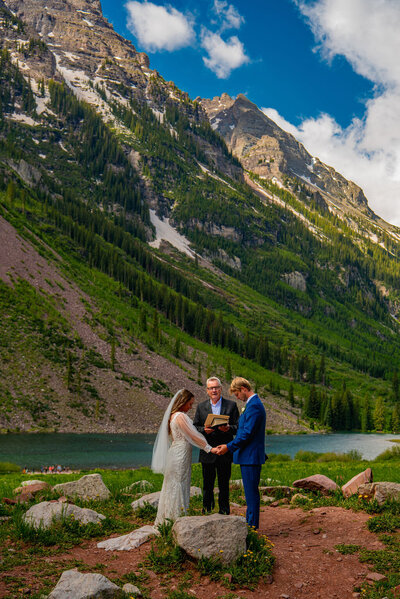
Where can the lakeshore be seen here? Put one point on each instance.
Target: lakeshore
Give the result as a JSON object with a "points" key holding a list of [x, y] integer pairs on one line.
{"points": [[126, 451]]}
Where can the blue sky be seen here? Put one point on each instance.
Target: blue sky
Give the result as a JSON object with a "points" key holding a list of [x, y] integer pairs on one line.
{"points": [[325, 70]]}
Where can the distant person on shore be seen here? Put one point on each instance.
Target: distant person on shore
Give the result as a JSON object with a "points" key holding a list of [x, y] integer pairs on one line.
{"points": [[248, 447], [216, 465], [172, 455]]}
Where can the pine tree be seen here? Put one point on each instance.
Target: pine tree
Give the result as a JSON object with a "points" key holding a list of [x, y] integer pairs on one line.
{"points": [[228, 370], [396, 419], [291, 395], [379, 414], [395, 383]]}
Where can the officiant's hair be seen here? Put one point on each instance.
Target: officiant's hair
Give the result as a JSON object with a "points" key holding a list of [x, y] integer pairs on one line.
{"points": [[184, 396]]}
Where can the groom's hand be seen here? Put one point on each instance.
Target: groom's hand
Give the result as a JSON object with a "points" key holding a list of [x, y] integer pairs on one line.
{"points": [[221, 449]]}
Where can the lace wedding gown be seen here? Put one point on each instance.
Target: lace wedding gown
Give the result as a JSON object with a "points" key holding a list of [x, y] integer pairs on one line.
{"points": [[175, 492]]}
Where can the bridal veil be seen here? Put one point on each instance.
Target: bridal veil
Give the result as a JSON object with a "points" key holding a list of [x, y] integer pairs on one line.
{"points": [[163, 440]]}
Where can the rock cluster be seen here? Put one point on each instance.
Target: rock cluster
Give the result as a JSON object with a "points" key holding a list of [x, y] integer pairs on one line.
{"points": [[218, 536]]}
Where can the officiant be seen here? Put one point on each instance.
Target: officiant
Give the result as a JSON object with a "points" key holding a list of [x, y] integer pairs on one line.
{"points": [[212, 465]]}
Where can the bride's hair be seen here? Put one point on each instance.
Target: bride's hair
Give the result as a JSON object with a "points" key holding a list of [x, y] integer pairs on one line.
{"points": [[184, 396]]}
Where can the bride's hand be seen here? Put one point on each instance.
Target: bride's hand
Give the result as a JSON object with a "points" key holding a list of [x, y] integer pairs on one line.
{"points": [[214, 450]]}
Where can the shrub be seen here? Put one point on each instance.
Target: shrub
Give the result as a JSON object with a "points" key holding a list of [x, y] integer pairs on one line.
{"points": [[279, 457], [393, 453], [306, 456], [6, 467]]}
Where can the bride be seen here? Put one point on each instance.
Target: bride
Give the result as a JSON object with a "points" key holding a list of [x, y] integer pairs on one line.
{"points": [[172, 455]]}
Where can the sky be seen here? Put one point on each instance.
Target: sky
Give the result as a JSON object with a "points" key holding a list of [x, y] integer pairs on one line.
{"points": [[327, 71]]}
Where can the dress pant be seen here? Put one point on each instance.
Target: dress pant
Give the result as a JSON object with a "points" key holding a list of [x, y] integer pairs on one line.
{"points": [[251, 480], [221, 468]]}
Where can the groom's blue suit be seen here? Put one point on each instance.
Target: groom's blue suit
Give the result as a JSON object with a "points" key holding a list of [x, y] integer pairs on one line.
{"points": [[248, 448]]}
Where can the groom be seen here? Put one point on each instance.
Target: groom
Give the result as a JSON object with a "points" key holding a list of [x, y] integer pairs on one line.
{"points": [[248, 447], [212, 464]]}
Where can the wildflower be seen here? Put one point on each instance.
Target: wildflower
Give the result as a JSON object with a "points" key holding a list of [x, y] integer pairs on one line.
{"points": [[221, 550]]}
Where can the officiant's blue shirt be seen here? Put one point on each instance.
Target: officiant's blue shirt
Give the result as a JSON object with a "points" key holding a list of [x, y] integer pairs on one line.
{"points": [[216, 408]]}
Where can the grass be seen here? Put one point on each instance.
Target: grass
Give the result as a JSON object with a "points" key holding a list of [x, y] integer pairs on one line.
{"points": [[22, 547]]}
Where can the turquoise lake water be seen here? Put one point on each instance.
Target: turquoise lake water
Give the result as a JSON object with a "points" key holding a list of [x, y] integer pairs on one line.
{"points": [[87, 451]]}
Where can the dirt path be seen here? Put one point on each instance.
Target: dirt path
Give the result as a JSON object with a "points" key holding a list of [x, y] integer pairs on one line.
{"points": [[307, 563]]}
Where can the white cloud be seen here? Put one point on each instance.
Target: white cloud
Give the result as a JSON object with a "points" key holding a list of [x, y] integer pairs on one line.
{"points": [[223, 56], [229, 15], [159, 27], [368, 150]]}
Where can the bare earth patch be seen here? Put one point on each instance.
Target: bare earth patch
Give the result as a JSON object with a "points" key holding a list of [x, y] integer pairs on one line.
{"points": [[307, 563]]}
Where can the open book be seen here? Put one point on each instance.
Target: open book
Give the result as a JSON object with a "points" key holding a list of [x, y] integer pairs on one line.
{"points": [[214, 420]]}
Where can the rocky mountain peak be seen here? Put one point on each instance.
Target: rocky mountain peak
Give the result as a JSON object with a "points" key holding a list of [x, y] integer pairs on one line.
{"points": [[267, 150]]}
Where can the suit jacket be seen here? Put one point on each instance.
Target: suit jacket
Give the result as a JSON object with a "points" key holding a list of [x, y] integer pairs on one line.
{"points": [[217, 437], [248, 447]]}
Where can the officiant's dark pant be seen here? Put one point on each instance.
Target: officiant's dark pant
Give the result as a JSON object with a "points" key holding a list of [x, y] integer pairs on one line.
{"points": [[222, 469]]}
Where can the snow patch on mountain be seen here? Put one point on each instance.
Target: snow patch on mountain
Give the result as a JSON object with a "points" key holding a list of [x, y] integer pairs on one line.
{"points": [[165, 231]]}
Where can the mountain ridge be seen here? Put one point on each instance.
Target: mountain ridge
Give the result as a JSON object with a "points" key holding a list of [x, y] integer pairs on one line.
{"points": [[96, 152]]}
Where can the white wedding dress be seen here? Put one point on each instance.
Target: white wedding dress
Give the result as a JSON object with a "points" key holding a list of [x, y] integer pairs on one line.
{"points": [[175, 492]]}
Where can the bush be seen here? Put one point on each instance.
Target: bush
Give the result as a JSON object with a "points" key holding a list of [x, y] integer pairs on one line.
{"points": [[307, 456], [6, 467], [279, 457], [389, 454]]}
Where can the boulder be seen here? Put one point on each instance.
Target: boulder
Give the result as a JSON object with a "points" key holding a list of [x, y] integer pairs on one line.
{"points": [[138, 487], [267, 499], [28, 492], [90, 486], [236, 484], [130, 541], [317, 482], [45, 513], [153, 498], [73, 584], [211, 536], [351, 487], [26, 483], [130, 590], [381, 491]]}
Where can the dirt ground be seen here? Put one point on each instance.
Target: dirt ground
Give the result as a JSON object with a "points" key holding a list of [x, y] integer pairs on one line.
{"points": [[307, 563]]}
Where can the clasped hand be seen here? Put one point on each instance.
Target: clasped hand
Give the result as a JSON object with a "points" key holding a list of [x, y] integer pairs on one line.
{"points": [[219, 450]]}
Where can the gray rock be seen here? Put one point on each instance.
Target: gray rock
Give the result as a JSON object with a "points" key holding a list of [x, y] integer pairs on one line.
{"points": [[153, 498], [381, 491], [74, 585], [26, 483], [90, 486], [138, 487], [267, 499], [317, 482], [351, 487], [297, 496], [130, 541], [45, 513], [236, 484], [211, 536], [130, 589], [296, 280]]}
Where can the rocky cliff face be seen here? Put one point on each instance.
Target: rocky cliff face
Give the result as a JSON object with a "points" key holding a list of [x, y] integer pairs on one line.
{"points": [[83, 44], [267, 150]]}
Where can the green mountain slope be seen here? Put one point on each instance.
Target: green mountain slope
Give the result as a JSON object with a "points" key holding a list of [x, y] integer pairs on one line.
{"points": [[101, 326]]}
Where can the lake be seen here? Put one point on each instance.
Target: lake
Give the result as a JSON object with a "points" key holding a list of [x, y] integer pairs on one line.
{"points": [[89, 451]]}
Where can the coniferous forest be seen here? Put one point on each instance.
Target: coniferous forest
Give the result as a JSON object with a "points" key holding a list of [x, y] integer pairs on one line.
{"points": [[79, 189]]}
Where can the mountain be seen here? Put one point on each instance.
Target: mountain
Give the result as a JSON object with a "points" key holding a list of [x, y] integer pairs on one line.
{"points": [[150, 240]]}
